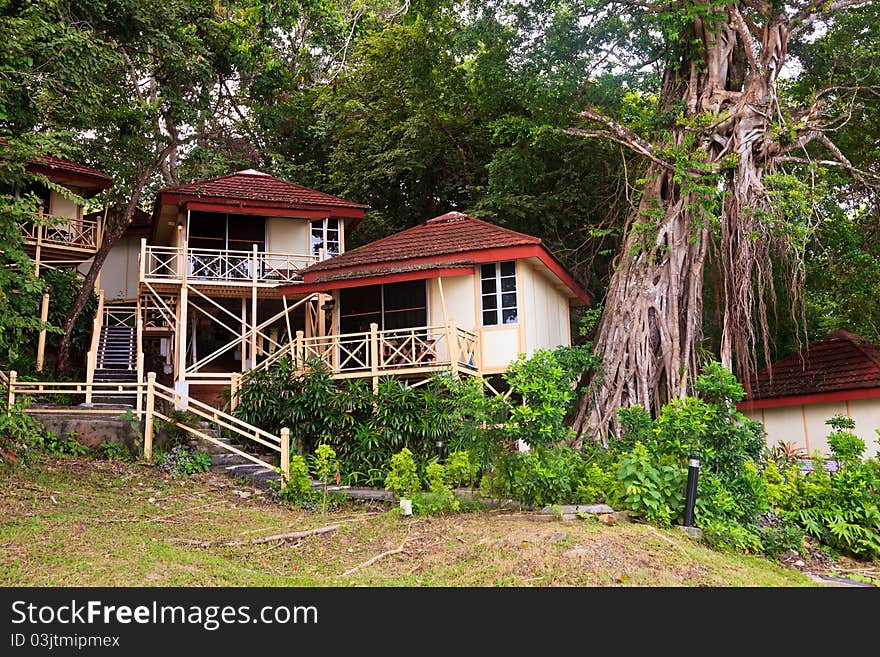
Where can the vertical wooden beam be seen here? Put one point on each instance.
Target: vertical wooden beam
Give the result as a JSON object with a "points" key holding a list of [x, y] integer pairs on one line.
{"points": [[254, 280], [39, 247], [287, 323], [41, 340], [374, 355], [285, 456], [182, 328], [299, 356], [321, 319], [243, 332], [234, 385], [148, 416], [442, 301], [10, 390], [452, 340]]}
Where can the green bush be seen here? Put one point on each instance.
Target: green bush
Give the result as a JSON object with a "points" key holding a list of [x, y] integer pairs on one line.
{"points": [[439, 498], [299, 489], [539, 476], [402, 477], [839, 508], [460, 469], [180, 461], [652, 485], [20, 434]]}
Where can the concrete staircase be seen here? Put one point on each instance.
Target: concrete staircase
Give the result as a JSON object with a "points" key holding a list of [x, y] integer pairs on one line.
{"points": [[117, 348], [108, 375], [232, 464]]}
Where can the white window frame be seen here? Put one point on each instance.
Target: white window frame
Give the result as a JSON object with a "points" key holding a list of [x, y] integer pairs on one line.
{"points": [[324, 239], [500, 308]]}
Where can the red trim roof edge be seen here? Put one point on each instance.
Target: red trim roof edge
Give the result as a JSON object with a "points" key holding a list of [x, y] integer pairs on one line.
{"points": [[804, 400]]}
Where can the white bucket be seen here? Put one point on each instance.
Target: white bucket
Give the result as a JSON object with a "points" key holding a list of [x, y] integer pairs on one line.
{"points": [[406, 507]]}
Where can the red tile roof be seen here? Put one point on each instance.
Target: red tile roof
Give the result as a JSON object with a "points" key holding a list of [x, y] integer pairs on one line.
{"points": [[256, 186], [451, 241], [447, 234], [842, 361], [50, 165], [56, 166]]}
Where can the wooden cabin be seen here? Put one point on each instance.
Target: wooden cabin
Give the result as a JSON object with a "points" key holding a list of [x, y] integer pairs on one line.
{"points": [[236, 272]]}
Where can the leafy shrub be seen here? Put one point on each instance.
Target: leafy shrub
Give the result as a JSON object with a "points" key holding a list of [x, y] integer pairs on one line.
{"points": [[20, 434], [597, 485], [545, 390], [539, 476], [180, 461], [402, 478], [840, 508], [460, 469], [299, 489], [439, 498], [67, 446], [779, 535], [327, 468], [730, 536], [652, 485], [115, 451]]}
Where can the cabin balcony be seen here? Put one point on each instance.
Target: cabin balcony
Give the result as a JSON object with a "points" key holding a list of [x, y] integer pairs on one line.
{"points": [[66, 238], [220, 267], [404, 352]]}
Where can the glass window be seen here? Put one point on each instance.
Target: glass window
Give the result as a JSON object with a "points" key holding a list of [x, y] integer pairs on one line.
{"points": [[498, 293], [325, 235]]}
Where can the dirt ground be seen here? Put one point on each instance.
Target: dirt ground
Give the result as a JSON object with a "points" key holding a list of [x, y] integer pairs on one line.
{"points": [[106, 523]]}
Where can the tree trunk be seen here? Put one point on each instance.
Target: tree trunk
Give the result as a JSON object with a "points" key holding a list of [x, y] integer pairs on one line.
{"points": [[652, 322]]}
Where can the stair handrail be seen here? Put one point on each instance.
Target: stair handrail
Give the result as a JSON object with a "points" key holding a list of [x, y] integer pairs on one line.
{"points": [[140, 357], [280, 443], [92, 355]]}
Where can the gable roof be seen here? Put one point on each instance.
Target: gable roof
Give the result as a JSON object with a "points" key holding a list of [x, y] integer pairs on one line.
{"points": [[251, 187], [453, 232], [452, 241], [61, 169], [840, 362]]}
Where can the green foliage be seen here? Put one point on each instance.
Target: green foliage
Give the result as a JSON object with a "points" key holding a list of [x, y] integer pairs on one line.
{"points": [[545, 389], [439, 498], [366, 429], [67, 446], [652, 485], [20, 434], [460, 469], [838, 508], [539, 476], [402, 477], [181, 461], [299, 489], [115, 451], [728, 535], [327, 468]]}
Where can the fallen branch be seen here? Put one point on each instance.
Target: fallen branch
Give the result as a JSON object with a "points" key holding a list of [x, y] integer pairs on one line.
{"points": [[370, 562], [285, 537], [291, 536]]}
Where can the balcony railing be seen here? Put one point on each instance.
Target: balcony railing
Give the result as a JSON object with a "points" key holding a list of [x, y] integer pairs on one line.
{"points": [[64, 232], [379, 353], [173, 264]]}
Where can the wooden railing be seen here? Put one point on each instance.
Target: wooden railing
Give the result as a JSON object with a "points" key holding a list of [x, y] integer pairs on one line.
{"points": [[71, 392], [70, 232], [375, 352], [167, 263], [92, 355], [120, 314]]}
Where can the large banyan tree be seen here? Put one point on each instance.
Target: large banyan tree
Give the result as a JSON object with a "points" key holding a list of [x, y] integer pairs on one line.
{"points": [[714, 186]]}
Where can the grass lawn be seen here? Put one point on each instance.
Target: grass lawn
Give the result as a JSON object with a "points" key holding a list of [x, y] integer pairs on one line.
{"points": [[83, 522]]}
